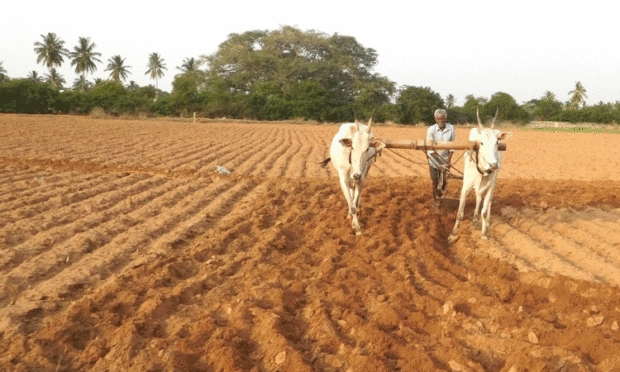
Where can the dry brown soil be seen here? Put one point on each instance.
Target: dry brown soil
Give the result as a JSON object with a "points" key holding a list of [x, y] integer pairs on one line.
{"points": [[121, 249]]}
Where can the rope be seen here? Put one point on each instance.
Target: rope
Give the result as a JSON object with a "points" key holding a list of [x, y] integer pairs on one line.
{"points": [[450, 166]]}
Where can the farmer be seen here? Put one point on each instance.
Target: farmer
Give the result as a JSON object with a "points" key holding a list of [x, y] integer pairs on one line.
{"points": [[438, 161]]}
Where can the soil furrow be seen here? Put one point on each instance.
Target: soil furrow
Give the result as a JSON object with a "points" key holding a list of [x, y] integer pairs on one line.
{"points": [[136, 240], [39, 195], [85, 229], [539, 255], [241, 149], [293, 161], [267, 164], [65, 208], [568, 250]]}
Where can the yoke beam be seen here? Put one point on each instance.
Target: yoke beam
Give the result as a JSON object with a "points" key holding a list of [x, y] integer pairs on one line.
{"points": [[431, 145]]}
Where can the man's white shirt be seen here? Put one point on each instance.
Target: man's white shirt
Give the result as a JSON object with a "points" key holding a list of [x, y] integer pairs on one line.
{"points": [[434, 133]]}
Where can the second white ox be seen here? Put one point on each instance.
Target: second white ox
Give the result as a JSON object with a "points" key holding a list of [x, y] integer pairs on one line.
{"points": [[352, 151], [480, 173]]}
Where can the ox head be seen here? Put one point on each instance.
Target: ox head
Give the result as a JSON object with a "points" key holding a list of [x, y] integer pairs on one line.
{"points": [[487, 140], [363, 148]]}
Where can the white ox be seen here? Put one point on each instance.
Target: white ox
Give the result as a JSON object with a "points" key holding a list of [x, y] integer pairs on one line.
{"points": [[480, 173], [351, 152]]}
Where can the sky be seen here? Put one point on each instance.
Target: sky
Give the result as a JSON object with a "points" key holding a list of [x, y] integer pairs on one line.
{"points": [[523, 48]]}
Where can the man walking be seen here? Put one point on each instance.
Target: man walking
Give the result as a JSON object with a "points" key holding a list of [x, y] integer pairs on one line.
{"points": [[439, 161]]}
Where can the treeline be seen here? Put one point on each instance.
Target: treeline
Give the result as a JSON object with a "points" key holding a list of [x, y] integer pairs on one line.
{"points": [[279, 75]]}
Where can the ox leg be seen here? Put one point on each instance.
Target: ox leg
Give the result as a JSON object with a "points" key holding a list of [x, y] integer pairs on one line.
{"points": [[486, 213], [475, 220], [459, 215], [356, 202], [347, 195]]}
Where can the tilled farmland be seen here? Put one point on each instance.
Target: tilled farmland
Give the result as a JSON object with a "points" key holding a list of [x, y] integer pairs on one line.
{"points": [[122, 249]]}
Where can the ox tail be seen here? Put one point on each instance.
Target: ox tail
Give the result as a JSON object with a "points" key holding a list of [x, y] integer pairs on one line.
{"points": [[324, 162]]}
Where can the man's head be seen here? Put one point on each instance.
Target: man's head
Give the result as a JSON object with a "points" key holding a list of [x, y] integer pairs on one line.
{"points": [[440, 118]]}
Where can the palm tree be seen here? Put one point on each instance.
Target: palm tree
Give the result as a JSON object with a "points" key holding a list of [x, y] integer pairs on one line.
{"points": [[83, 58], [3, 76], [578, 95], [50, 52], [156, 65], [450, 101], [189, 66], [117, 68], [54, 78], [34, 76], [133, 86], [81, 84]]}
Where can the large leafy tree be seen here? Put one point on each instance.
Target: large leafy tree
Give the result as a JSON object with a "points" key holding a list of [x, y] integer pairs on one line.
{"points": [[546, 108], [508, 108], [265, 66], [156, 66], [578, 96], [83, 58], [118, 70], [51, 53], [418, 104], [470, 107]]}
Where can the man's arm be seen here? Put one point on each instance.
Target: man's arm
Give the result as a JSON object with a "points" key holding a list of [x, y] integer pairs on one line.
{"points": [[429, 134], [452, 139]]}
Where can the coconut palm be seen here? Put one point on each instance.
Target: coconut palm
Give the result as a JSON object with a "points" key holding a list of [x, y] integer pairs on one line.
{"points": [[83, 58], [133, 86], [156, 65], [51, 53], [578, 95], [54, 78], [117, 68], [81, 84], [450, 101], [3, 76], [189, 66], [34, 76]]}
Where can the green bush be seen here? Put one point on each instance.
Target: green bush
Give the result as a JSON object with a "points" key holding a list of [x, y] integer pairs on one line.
{"points": [[27, 96]]}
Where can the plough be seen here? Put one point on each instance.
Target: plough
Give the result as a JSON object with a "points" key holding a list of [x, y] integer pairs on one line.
{"points": [[426, 146]]}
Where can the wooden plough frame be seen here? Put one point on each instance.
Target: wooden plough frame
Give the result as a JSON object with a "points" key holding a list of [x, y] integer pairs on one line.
{"points": [[432, 145]]}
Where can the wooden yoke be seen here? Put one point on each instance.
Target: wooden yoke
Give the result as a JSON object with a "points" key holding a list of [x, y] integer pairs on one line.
{"points": [[431, 145]]}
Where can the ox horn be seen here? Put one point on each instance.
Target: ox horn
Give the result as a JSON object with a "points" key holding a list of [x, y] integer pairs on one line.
{"points": [[478, 116], [370, 121], [494, 118]]}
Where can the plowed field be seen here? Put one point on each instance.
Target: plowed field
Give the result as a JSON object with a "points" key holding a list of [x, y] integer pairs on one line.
{"points": [[122, 249]]}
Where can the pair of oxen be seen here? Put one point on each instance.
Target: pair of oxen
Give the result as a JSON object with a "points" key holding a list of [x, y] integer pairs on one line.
{"points": [[354, 147]]}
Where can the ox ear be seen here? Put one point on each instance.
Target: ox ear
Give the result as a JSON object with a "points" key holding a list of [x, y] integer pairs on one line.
{"points": [[346, 142], [474, 134], [504, 136], [377, 145]]}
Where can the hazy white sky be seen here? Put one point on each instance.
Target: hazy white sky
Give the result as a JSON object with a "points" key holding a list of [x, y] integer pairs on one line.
{"points": [[523, 48]]}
